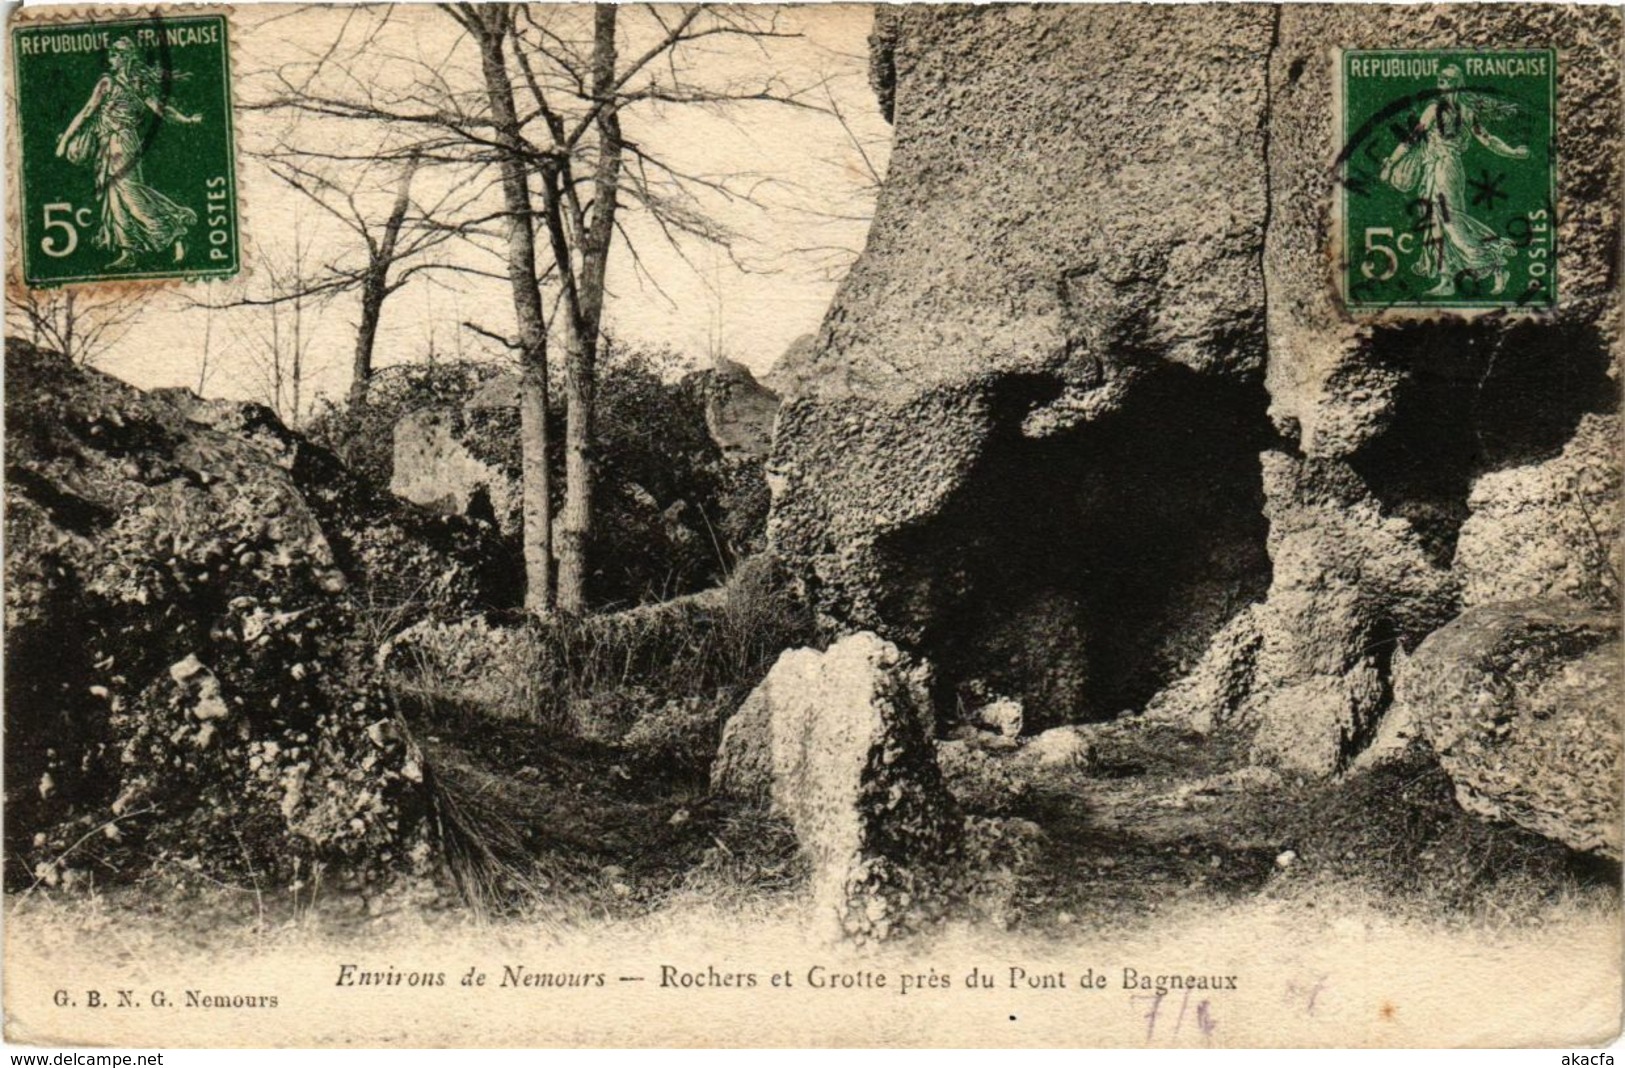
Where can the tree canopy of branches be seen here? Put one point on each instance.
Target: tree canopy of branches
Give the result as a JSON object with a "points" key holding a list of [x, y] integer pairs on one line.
{"points": [[555, 110], [78, 324], [372, 202]]}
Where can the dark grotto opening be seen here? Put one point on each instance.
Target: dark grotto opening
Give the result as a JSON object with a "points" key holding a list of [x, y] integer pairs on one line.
{"points": [[1084, 571], [1475, 398]]}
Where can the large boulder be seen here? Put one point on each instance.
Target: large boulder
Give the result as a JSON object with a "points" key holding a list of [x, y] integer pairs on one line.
{"points": [[1037, 395], [1089, 386], [739, 411], [1349, 583], [191, 592], [436, 466], [1548, 529], [1521, 702], [839, 741]]}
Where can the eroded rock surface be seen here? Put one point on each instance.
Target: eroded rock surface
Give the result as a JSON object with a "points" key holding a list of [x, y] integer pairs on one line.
{"points": [[1521, 702], [1548, 529], [435, 467], [1047, 364], [739, 411], [841, 738], [190, 591], [1388, 424], [1087, 426]]}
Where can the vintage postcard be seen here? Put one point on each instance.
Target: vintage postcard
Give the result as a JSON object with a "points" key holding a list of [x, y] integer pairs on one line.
{"points": [[1092, 525]]}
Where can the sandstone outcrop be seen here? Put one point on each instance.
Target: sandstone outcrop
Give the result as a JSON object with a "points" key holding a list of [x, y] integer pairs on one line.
{"points": [[1548, 529], [1398, 418], [1086, 425], [839, 741], [189, 592], [435, 467], [1027, 445], [1521, 702], [739, 411]]}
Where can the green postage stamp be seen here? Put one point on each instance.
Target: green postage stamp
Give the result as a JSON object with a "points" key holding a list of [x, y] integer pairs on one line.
{"points": [[1447, 179], [124, 149]]}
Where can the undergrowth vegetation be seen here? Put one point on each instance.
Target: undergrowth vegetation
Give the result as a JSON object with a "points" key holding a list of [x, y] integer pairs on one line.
{"points": [[569, 759], [595, 676], [673, 515], [536, 822], [1396, 831]]}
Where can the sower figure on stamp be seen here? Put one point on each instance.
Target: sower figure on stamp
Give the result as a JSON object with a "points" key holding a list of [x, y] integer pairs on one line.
{"points": [[106, 135], [1429, 162]]}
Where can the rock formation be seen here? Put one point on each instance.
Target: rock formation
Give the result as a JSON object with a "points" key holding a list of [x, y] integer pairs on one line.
{"points": [[1520, 699], [739, 411], [434, 466], [1085, 424], [839, 740], [1400, 418], [1548, 529], [792, 371], [189, 592], [965, 471]]}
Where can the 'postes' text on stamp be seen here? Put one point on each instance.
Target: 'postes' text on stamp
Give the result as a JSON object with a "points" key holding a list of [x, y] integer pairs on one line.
{"points": [[1446, 179], [125, 150]]}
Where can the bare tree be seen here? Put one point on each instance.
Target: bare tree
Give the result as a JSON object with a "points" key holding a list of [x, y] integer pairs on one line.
{"points": [[848, 200], [489, 26], [397, 242], [269, 324], [203, 365], [579, 88], [555, 87], [79, 325]]}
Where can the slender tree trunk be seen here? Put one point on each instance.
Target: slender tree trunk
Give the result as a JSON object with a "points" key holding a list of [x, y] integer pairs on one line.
{"points": [[535, 483], [375, 286], [581, 338], [67, 331], [298, 366], [278, 397], [372, 304], [298, 361], [203, 367]]}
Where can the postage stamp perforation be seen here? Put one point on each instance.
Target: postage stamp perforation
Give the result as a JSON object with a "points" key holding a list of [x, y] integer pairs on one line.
{"points": [[1432, 140], [131, 97]]}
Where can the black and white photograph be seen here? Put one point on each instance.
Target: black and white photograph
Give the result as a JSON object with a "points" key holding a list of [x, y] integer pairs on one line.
{"points": [[1082, 525]]}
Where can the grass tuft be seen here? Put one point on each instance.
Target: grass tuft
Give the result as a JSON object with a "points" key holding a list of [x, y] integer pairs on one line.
{"points": [[1397, 830]]}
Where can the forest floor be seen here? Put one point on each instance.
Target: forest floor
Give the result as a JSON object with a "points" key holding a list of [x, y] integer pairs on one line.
{"points": [[1162, 855]]}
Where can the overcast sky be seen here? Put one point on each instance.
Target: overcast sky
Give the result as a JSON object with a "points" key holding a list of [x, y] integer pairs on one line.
{"points": [[810, 182]]}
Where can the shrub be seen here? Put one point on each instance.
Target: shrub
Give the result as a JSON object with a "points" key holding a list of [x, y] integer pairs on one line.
{"points": [[672, 515], [633, 677], [363, 436]]}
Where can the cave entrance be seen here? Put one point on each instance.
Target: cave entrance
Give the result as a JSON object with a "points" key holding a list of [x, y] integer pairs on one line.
{"points": [[1083, 572], [1472, 398]]}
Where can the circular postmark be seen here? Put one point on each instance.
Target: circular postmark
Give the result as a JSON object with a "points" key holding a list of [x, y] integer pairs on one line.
{"points": [[1444, 182]]}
